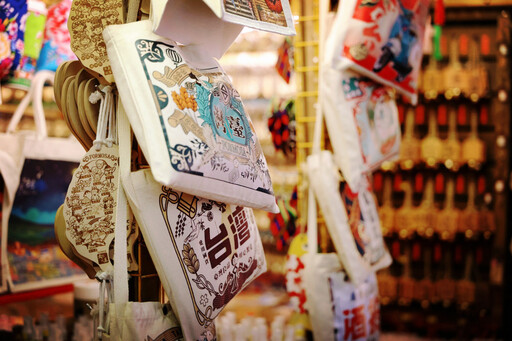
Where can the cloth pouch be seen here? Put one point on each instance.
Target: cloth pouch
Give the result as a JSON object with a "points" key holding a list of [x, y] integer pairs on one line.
{"points": [[351, 218], [382, 40], [205, 252], [362, 121], [188, 119]]}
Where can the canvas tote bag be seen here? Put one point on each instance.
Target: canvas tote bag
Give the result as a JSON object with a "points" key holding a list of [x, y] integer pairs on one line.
{"points": [[205, 251], [188, 118], [34, 257]]}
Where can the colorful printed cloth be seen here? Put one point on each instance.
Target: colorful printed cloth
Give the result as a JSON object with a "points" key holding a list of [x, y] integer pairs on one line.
{"points": [[57, 43], [12, 30]]}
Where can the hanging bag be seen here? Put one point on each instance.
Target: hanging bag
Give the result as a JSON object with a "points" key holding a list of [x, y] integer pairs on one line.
{"points": [[382, 40], [34, 257], [205, 251], [188, 119], [125, 320]]}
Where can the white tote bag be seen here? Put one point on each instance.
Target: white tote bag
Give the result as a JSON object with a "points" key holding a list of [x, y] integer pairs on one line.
{"points": [[338, 308], [188, 119], [125, 320], [34, 257], [204, 251]]}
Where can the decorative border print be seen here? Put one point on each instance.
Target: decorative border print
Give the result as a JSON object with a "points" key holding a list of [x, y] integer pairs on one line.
{"points": [[269, 11], [35, 258], [218, 248], [203, 120]]}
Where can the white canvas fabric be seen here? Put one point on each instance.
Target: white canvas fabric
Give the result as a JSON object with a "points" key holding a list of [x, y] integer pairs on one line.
{"points": [[362, 121], [205, 252], [359, 244], [125, 320], [188, 119]]}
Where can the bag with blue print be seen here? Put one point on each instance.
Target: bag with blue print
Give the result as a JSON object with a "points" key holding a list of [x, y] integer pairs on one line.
{"points": [[188, 118]]}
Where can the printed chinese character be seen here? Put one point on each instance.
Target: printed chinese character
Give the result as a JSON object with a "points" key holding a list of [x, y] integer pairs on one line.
{"points": [[355, 324]]}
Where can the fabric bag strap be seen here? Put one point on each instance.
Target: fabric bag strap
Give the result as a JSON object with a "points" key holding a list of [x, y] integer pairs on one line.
{"points": [[317, 136], [120, 247], [34, 95]]}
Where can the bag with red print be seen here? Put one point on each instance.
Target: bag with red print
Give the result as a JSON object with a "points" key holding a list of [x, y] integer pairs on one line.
{"points": [[205, 252], [355, 310], [351, 218], [382, 40]]}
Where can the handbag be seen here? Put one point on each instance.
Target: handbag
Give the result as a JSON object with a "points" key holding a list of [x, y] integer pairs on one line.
{"points": [[382, 40], [204, 251], [339, 309], [188, 119], [34, 257], [125, 320]]}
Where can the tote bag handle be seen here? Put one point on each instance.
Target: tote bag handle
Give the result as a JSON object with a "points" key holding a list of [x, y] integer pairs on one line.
{"points": [[317, 134], [34, 95]]}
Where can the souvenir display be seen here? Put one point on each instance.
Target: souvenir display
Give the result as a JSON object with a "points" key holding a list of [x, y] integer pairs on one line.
{"points": [[205, 251], [92, 198], [473, 148], [431, 145], [410, 146], [451, 145], [426, 213], [188, 119], [389, 47]]}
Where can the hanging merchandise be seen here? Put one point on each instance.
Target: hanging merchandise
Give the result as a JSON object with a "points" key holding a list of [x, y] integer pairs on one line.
{"points": [[362, 120], [188, 119], [35, 260], [56, 45], [120, 319], [91, 202], [205, 252], [284, 64], [351, 218], [339, 309], [295, 272], [33, 40], [382, 40], [87, 20], [283, 224], [282, 127], [12, 30]]}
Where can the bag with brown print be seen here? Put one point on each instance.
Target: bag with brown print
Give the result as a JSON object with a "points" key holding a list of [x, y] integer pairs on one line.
{"points": [[205, 252]]}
